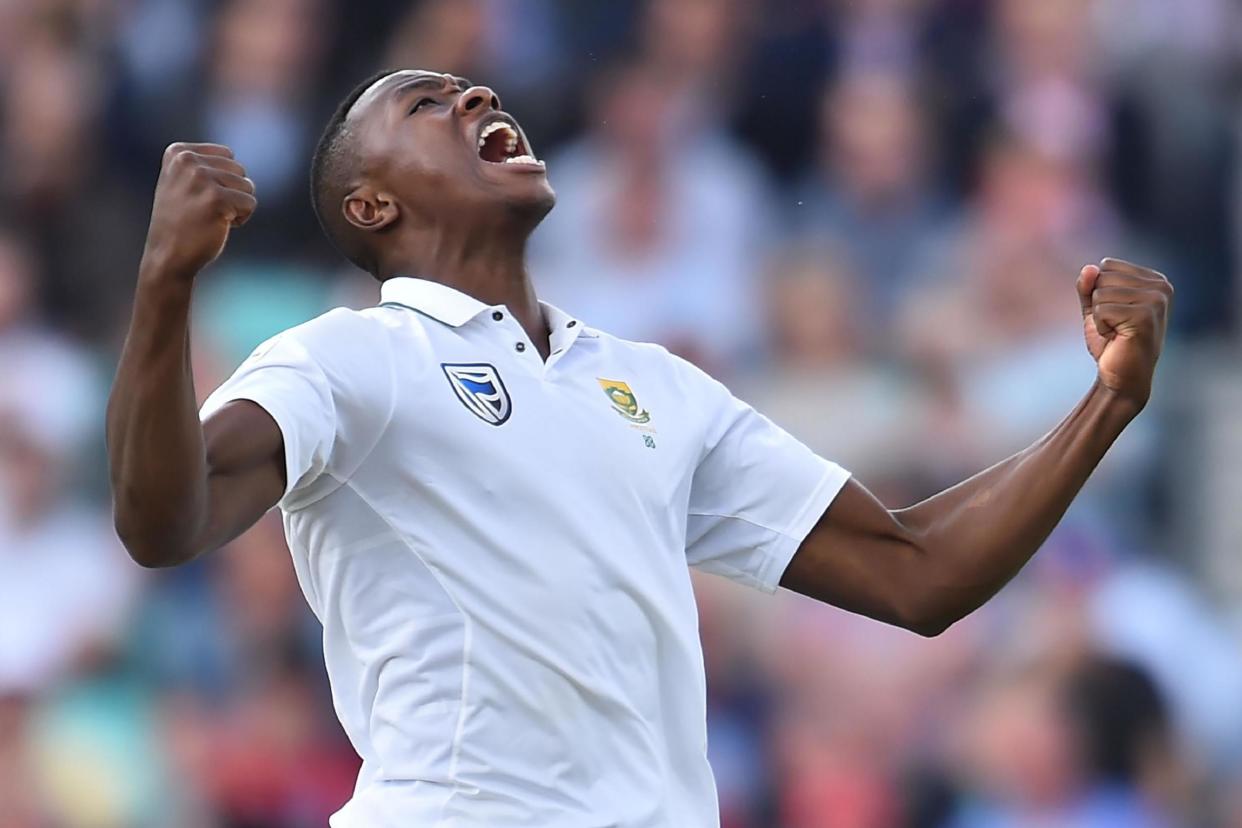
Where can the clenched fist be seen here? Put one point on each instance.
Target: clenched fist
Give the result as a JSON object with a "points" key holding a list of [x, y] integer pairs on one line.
{"points": [[1125, 310], [202, 193]]}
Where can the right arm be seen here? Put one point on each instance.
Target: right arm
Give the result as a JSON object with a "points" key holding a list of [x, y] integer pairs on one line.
{"points": [[181, 487]]}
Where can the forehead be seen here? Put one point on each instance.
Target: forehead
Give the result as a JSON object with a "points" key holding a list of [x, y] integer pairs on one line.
{"points": [[390, 86]]}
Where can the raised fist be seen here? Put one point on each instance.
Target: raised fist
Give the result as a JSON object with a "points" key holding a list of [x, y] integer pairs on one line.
{"points": [[202, 193], [1125, 309]]}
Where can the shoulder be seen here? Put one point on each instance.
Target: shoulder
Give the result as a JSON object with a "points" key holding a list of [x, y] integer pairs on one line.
{"points": [[336, 329], [339, 338], [652, 361], [350, 350]]}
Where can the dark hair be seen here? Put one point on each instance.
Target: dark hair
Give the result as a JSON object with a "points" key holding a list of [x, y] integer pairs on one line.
{"points": [[330, 170], [1120, 716]]}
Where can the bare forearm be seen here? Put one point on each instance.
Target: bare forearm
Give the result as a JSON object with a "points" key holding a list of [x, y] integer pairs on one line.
{"points": [[175, 490], [927, 566], [155, 441], [977, 535]]}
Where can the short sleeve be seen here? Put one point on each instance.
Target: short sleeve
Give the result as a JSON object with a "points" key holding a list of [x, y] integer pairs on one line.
{"points": [[284, 380], [755, 495]]}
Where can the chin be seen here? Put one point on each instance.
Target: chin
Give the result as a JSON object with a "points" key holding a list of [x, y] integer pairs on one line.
{"points": [[533, 201]]}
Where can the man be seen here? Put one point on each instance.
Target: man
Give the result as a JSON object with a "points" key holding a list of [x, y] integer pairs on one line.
{"points": [[491, 506]]}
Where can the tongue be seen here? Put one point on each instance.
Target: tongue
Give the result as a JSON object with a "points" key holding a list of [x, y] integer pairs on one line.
{"points": [[496, 147]]}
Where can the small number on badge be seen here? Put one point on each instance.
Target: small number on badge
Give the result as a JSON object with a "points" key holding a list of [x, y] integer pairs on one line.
{"points": [[648, 441]]}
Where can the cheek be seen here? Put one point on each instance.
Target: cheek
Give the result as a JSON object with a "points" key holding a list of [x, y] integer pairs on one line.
{"points": [[434, 178]]}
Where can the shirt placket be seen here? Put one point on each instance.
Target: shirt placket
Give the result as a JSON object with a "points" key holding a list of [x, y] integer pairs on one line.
{"points": [[562, 334]]}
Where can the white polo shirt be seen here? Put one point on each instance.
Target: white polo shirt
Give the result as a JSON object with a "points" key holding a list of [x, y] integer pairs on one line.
{"points": [[497, 547]]}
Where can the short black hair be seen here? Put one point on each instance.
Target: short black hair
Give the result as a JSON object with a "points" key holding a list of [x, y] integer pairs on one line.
{"points": [[1120, 714], [332, 167]]}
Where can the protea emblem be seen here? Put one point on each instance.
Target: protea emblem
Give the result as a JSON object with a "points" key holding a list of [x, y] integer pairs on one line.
{"points": [[623, 400]]}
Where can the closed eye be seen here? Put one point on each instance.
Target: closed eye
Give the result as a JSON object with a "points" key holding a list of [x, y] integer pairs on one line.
{"points": [[421, 103]]}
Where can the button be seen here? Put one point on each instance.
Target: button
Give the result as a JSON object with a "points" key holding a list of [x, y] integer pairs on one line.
{"points": [[572, 323], [521, 346], [497, 315]]}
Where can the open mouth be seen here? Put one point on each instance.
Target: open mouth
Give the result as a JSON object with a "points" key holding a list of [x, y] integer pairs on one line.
{"points": [[500, 143]]}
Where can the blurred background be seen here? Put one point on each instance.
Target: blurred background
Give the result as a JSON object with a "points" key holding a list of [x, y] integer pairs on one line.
{"points": [[866, 216]]}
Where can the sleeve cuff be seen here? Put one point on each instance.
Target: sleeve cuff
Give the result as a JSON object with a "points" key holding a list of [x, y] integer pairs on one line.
{"points": [[787, 543], [283, 421]]}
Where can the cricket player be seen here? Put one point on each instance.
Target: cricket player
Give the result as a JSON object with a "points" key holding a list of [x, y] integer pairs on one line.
{"points": [[492, 506]]}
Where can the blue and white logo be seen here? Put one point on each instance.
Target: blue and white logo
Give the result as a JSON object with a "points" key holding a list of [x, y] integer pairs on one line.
{"points": [[480, 389]]}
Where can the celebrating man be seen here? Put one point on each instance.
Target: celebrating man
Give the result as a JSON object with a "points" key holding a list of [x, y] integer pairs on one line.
{"points": [[491, 505]]}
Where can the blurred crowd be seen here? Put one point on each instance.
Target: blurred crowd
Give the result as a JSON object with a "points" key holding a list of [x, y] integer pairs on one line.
{"points": [[866, 216]]}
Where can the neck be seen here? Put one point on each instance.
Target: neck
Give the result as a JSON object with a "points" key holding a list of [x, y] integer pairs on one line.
{"points": [[489, 266]]}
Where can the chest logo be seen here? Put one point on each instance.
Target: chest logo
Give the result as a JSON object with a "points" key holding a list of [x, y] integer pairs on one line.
{"points": [[480, 390], [623, 400]]}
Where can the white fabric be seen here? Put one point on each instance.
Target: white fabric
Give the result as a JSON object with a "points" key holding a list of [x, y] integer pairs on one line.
{"points": [[65, 585], [509, 626]]}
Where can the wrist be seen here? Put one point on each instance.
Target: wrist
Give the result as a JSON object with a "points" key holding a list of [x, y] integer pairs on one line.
{"points": [[160, 268], [1117, 403], [163, 283]]}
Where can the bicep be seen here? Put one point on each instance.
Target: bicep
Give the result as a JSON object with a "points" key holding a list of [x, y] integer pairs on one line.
{"points": [[245, 469], [860, 558]]}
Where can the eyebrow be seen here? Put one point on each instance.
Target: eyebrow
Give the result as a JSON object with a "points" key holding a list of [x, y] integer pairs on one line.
{"points": [[426, 81]]}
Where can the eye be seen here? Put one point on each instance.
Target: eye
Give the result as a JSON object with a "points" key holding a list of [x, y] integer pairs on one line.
{"points": [[421, 103]]}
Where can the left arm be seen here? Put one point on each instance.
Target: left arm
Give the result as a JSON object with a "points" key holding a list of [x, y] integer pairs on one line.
{"points": [[926, 567]]}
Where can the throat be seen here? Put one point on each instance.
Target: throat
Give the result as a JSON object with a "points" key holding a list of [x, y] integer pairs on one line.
{"points": [[486, 262]]}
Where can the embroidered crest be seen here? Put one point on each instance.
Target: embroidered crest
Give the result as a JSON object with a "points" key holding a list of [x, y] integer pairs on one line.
{"points": [[623, 400], [480, 389]]}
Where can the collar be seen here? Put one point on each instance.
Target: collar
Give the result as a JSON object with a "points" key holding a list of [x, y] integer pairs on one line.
{"points": [[440, 302], [454, 308]]}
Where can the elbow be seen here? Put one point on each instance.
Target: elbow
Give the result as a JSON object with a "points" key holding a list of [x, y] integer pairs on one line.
{"points": [[151, 559], [151, 555], [931, 626], [928, 608], [147, 549], [928, 620]]}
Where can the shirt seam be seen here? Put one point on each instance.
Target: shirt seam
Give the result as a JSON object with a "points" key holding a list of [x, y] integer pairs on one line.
{"points": [[829, 479], [467, 642], [829, 474], [347, 480], [742, 518]]}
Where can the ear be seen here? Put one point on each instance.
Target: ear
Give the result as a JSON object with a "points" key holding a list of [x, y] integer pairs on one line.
{"points": [[369, 209]]}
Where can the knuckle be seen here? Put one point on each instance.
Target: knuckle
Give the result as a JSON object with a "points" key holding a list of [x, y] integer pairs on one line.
{"points": [[184, 161], [212, 196]]}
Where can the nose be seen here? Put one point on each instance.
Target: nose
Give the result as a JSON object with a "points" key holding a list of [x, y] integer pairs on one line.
{"points": [[475, 97]]}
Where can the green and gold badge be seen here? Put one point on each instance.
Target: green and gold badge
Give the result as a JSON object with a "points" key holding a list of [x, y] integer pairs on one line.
{"points": [[623, 400]]}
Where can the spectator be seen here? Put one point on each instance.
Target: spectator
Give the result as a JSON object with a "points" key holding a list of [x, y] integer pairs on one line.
{"points": [[871, 195], [1095, 744], [899, 295], [66, 584], [666, 219]]}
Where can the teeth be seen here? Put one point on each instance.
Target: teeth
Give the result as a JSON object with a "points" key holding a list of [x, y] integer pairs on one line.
{"points": [[523, 159], [496, 126]]}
